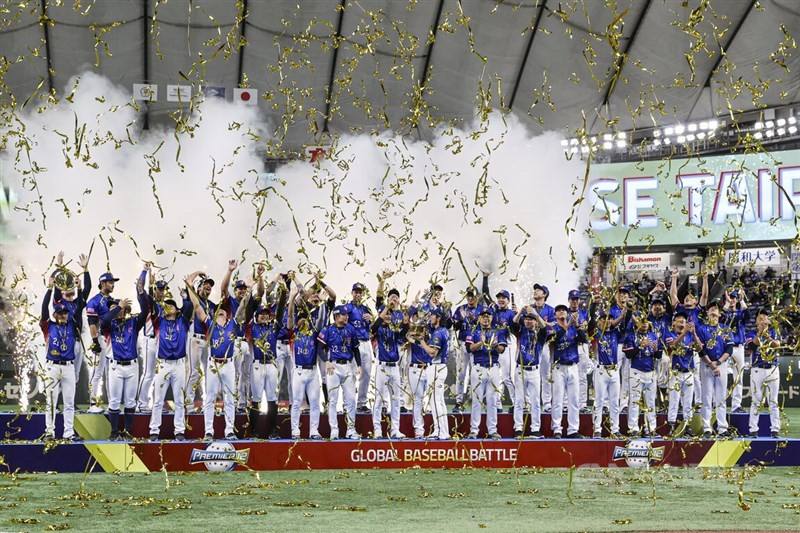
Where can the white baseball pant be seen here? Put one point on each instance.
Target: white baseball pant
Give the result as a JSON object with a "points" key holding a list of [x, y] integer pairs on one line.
{"points": [[565, 380], [485, 383], [122, 383], [59, 379], [305, 381], [463, 364], [526, 391], [284, 359], [387, 391], [343, 380], [264, 380], [681, 391], [406, 394], [198, 359], [220, 378], [736, 369], [508, 367], [606, 391], [547, 378], [242, 361], [169, 373], [78, 363], [714, 396], [698, 384], [764, 384], [365, 378], [585, 367], [98, 365], [435, 377], [642, 384], [625, 380], [148, 352]]}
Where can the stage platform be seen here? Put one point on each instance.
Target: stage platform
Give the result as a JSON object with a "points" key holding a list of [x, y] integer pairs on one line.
{"points": [[23, 450]]}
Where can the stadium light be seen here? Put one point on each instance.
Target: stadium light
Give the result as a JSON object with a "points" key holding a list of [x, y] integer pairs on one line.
{"points": [[704, 125], [608, 145], [692, 127], [656, 133], [608, 137], [679, 129], [667, 141], [770, 133], [584, 149], [681, 139], [713, 124], [690, 137], [792, 130], [656, 142], [759, 135], [701, 135], [770, 124], [573, 142], [781, 131], [669, 131], [621, 144], [792, 120], [781, 122], [621, 135], [758, 125]]}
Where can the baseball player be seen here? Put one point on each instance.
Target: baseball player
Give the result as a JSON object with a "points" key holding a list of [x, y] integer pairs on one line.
{"points": [[693, 309], [620, 313], [360, 318], [148, 344], [606, 374], [123, 374], [171, 327], [567, 334], [585, 367], [340, 347], [548, 314], [464, 320], [100, 347], [198, 344], [531, 332], [305, 378], [682, 342], [504, 314], [717, 349], [734, 318], [427, 374], [230, 302], [764, 347], [222, 331], [643, 347], [389, 330], [263, 333], [661, 321], [60, 338], [485, 343], [70, 299]]}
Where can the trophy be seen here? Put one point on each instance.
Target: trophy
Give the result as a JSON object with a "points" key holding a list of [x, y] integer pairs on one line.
{"points": [[64, 279]]}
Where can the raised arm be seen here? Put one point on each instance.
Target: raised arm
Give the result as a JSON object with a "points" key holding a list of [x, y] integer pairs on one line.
{"points": [[226, 280], [485, 293], [83, 260], [243, 313], [290, 316], [704, 290], [46, 300], [673, 288], [198, 309]]}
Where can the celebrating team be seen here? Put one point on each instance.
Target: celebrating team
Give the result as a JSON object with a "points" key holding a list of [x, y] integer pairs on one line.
{"points": [[397, 357]]}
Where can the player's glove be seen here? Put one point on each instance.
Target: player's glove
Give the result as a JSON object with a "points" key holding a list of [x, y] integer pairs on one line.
{"points": [[95, 347]]}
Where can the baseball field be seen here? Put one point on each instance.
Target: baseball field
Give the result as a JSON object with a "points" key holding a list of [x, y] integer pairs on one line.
{"points": [[619, 499]]}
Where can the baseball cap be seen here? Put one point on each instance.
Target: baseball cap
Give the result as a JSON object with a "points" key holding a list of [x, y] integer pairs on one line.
{"points": [[526, 316], [59, 308], [658, 300], [395, 292], [735, 293], [170, 301], [714, 303], [161, 284], [340, 310], [108, 276], [680, 314], [542, 288], [208, 281], [486, 310], [504, 293], [470, 291], [262, 310], [240, 284], [561, 307], [358, 287], [574, 294], [436, 312], [624, 288], [437, 287]]}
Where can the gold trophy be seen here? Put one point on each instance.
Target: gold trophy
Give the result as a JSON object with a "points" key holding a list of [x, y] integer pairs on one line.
{"points": [[64, 279]]}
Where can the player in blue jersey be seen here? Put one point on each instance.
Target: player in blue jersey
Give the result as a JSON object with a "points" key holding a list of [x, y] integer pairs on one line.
{"points": [[504, 312], [96, 307], [123, 373], [198, 343], [717, 349], [735, 317], [148, 343], [485, 343], [580, 316], [360, 318], [682, 343], [764, 346], [340, 349], [643, 347], [606, 379], [60, 337], [693, 307], [389, 331], [71, 298], [427, 373], [567, 335], [464, 320], [531, 332], [540, 295], [620, 315]]}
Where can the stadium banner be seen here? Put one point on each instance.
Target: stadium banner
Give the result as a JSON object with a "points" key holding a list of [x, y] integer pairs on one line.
{"points": [[225, 456], [640, 262], [700, 200], [754, 257]]}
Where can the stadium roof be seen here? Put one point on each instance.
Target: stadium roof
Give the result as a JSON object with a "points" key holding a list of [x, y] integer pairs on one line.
{"points": [[567, 52]]}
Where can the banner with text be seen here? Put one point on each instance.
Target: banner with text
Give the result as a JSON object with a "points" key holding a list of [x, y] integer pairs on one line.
{"points": [[722, 199], [639, 262]]}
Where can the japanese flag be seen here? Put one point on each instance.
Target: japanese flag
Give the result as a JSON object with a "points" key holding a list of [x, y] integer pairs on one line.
{"points": [[246, 96]]}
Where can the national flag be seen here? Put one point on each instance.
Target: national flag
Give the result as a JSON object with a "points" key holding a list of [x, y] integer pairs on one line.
{"points": [[210, 91], [179, 93], [246, 96], [147, 92]]}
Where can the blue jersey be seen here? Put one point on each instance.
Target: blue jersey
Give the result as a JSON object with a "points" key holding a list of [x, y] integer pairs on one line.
{"points": [[661, 324], [390, 337], [484, 356], [642, 356], [438, 338], [60, 339], [231, 303], [465, 319], [198, 326], [263, 339], [565, 344], [360, 325], [681, 353], [305, 348], [172, 336], [717, 341], [222, 338], [96, 307], [340, 342], [503, 318], [547, 312], [693, 314], [530, 343], [607, 346], [762, 357], [736, 321], [614, 312]]}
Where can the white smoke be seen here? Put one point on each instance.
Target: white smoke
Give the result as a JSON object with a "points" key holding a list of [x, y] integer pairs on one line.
{"points": [[378, 202]]}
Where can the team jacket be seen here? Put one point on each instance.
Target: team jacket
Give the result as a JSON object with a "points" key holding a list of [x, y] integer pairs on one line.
{"points": [[530, 344], [356, 319], [389, 337], [565, 344], [221, 339], [172, 334], [465, 318], [682, 353], [341, 343]]}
